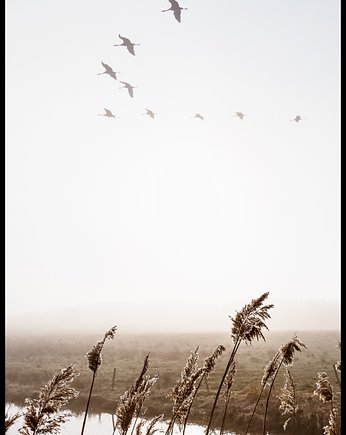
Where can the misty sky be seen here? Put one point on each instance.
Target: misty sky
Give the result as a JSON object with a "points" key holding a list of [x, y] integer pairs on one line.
{"points": [[172, 223]]}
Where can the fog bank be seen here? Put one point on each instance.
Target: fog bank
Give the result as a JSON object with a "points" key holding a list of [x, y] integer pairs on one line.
{"points": [[171, 317]]}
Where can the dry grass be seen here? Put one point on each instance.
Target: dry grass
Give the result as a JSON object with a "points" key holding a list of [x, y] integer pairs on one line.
{"points": [[31, 358], [43, 415]]}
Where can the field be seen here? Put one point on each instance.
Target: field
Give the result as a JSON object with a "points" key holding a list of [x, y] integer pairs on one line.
{"points": [[32, 360]]}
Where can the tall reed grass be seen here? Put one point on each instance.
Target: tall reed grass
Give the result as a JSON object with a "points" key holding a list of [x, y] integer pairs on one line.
{"points": [[42, 415], [94, 357], [45, 415]]}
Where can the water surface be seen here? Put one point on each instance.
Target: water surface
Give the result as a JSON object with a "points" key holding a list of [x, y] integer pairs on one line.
{"points": [[98, 424]]}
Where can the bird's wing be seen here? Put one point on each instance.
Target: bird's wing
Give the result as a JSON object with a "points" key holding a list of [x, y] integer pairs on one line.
{"points": [[125, 40], [130, 48], [174, 4], [104, 64], [130, 91], [177, 14]]}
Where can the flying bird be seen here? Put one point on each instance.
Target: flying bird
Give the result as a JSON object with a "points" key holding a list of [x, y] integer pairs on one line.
{"points": [[175, 7], [129, 87], [297, 118], [198, 115], [240, 115], [108, 70], [150, 113], [107, 113], [127, 43]]}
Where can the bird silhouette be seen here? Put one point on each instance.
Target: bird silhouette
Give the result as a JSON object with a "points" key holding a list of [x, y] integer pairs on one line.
{"points": [[108, 70], [240, 115], [175, 7], [129, 87], [297, 118], [107, 113], [150, 113], [127, 43], [198, 115]]}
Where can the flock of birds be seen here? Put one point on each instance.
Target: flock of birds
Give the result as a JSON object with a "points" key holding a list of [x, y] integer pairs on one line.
{"points": [[126, 42]]}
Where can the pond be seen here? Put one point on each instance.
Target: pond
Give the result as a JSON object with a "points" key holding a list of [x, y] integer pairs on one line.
{"points": [[97, 424]]}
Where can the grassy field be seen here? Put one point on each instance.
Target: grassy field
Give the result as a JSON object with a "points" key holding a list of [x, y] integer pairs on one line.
{"points": [[32, 360]]}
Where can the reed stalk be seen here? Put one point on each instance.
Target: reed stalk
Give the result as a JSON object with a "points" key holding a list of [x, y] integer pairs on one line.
{"points": [[94, 358], [247, 326], [229, 383]]}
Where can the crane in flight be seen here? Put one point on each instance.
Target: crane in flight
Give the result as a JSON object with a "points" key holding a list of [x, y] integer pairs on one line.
{"points": [[176, 8], [150, 113], [127, 43], [129, 88], [108, 70], [107, 113], [297, 118], [240, 115], [199, 116]]}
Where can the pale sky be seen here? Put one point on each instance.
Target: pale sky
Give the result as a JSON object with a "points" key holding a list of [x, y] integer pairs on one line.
{"points": [[172, 223]]}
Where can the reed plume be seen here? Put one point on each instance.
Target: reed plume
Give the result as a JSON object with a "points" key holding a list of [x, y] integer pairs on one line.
{"points": [[247, 325], [333, 427], [270, 369], [42, 415], [325, 393], [143, 391], [324, 389], [131, 402], [210, 361], [287, 352], [288, 399], [284, 355], [183, 392], [208, 367], [94, 357]]}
